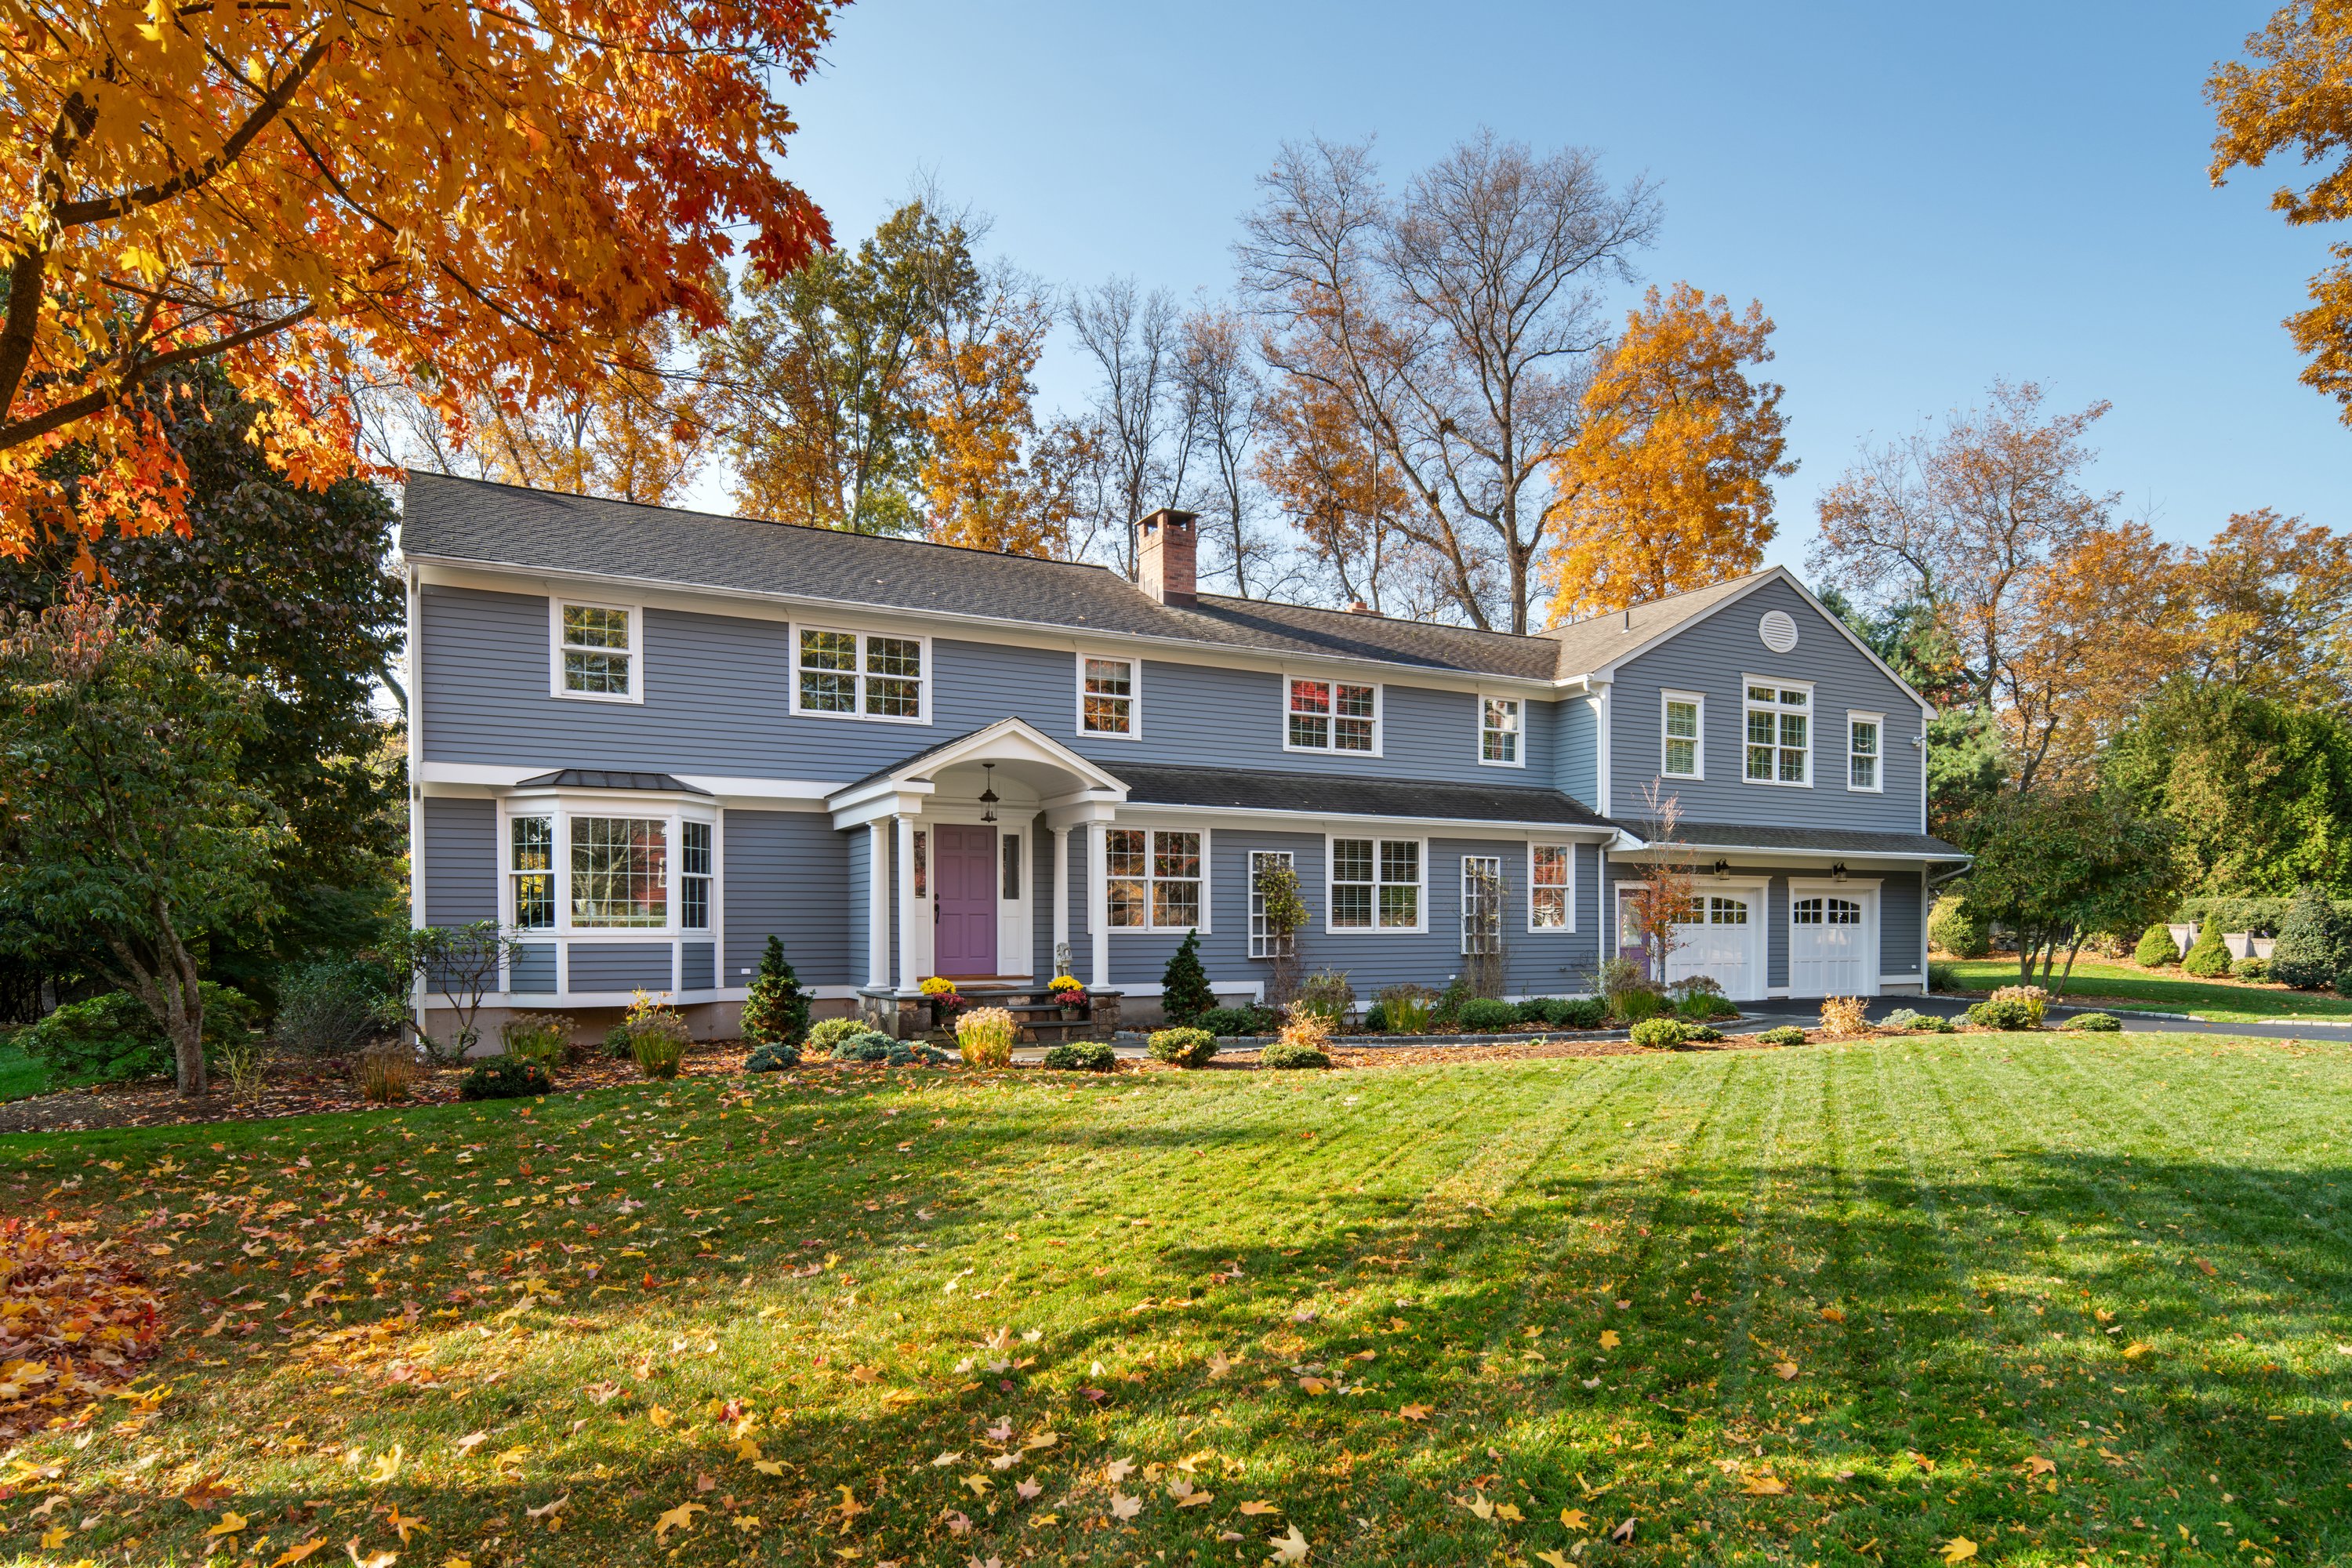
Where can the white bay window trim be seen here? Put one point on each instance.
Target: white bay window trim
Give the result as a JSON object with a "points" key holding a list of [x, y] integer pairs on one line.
{"points": [[873, 675], [580, 650], [560, 811], [1682, 734], [1502, 731]]}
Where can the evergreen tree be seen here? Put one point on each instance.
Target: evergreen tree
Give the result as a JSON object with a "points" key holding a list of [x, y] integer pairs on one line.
{"points": [[2310, 942], [2209, 955], [777, 1011], [1184, 993]]}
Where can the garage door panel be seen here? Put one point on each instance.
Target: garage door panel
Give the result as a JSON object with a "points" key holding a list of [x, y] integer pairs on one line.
{"points": [[1724, 944], [1833, 944]]}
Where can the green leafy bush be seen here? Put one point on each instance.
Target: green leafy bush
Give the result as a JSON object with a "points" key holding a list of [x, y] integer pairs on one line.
{"points": [[2004, 1013], [1911, 1018], [114, 1039], [1633, 1006], [774, 1055], [2157, 950], [1953, 928], [617, 1044], [536, 1037], [1183, 1047], [2310, 942], [2209, 955], [825, 1038], [1786, 1035], [505, 1078], [1450, 1000], [333, 1006], [1706, 1034], [2096, 1023], [1083, 1056], [1487, 1016], [1285, 1056], [2251, 969], [777, 1007], [1659, 1034], [1231, 1021], [1184, 993]]}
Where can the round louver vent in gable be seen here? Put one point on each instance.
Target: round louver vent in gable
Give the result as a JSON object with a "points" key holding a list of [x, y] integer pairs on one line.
{"points": [[1778, 632]]}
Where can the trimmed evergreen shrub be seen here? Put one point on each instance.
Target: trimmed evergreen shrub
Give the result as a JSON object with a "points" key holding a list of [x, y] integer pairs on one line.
{"points": [[1487, 1016], [2251, 969], [915, 1053], [1285, 1056], [505, 1078], [828, 1035], [1184, 993], [1582, 1012], [2157, 949], [775, 1056], [777, 1010], [1953, 928], [1786, 1035], [1081, 1056], [1182, 1048], [2209, 955], [2310, 942], [1660, 1034], [864, 1045], [2096, 1023], [1231, 1021], [2003, 1014], [1707, 1034]]}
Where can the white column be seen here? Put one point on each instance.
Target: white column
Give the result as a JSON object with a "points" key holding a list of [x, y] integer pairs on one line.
{"points": [[906, 976], [878, 905], [1061, 893], [1099, 900]]}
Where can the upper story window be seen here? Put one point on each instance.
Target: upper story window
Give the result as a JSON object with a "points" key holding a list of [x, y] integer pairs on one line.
{"points": [[596, 653], [1498, 732], [530, 866], [1375, 884], [1861, 738], [1107, 696], [1681, 743], [1332, 716], [1551, 882], [1156, 880], [619, 871], [860, 675], [1779, 732]]}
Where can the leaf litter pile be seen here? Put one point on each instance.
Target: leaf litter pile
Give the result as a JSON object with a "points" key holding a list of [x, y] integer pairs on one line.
{"points": [[1991, 1299]]}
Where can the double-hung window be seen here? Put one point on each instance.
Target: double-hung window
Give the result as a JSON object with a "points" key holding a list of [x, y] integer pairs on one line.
{"points": [[531, 866], [1551, 882], [1499, 732], [694, 876], [1682, 754], [858, 675], [596, 652], [1155, 879], [1375, 884], [619, 873], [1862, 745], [1482, 905], [1332, 716], [1264, 941], [1779, 748], [1106, 696]]}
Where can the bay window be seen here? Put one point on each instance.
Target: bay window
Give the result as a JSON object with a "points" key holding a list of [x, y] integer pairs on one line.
{"points": [[694, 876], [573, 868], [1156, 880], [531, 868], [620, 874]]}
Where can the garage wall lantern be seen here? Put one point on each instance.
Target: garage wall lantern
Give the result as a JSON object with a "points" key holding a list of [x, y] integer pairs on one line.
{"points": [[1837, 872], [1723, 871]]}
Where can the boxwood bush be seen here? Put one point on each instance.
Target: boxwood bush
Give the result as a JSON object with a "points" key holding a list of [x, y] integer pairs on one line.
{"points": [[2157, 949], [1786, 1035], [1487, 1016], [1232, 1021], [2096, 1023], [2003, 1014], [1283, 1055], [1660, 1034], [1182, 1048], [505, 1078], [1082, 1055]]}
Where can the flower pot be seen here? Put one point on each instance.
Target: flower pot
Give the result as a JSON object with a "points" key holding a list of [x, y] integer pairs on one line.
{"points": [[1070, 1015]]}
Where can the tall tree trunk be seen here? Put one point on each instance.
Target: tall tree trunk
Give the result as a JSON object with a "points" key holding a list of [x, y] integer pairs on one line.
{"points": [[169, 987], [2069, 973]]}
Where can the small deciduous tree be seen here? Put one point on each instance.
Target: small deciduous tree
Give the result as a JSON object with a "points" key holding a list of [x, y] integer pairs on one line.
{"points": [[1668, 485], [125, 815], [462, 964], [2056, 866], [1651, 911]]}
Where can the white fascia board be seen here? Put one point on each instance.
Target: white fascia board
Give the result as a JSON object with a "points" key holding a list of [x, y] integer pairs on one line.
{"points": [[749, 604], [1816, 859], [1467, 826]]}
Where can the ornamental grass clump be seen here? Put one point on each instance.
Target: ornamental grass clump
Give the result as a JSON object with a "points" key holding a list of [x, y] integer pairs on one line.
{"points": [[387, 1072], [657, 1037], [1844, 1018], [984, 1036]]}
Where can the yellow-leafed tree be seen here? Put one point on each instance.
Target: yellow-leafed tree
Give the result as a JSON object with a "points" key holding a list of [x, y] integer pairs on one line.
{"points": [[991, 481], [1668, 486]]}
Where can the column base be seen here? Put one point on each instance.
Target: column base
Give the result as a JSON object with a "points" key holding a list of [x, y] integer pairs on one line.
{"points": [[1102, 1013], [898, 1014]]}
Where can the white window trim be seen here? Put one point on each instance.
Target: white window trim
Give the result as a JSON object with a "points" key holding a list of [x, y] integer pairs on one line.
{"points": [[1698, 741], [1852, 717], [1519, 732], [671, 811], [1812, 729], [1379, 716], [635, 650], [1462, 907], [1570, 928], [1288, 858], [793, 631], [1207, 904], [1134, 702], [1421, 899]]}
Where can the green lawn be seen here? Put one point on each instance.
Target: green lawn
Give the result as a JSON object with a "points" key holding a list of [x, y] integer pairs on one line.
{"points": [[20, 1076], [2074, 1301], [2094, 983]]}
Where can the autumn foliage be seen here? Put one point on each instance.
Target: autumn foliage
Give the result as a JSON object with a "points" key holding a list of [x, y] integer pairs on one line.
{"points": [[77, 1322], [1667, 486], [472, 199]]}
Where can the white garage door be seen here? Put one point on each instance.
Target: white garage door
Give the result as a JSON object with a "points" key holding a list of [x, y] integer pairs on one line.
{"points": [[1833, 944], [1723, 944]]}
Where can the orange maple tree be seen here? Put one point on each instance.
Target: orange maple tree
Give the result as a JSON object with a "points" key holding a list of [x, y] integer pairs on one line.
{"points": [[479, 200], [1667, 485]]}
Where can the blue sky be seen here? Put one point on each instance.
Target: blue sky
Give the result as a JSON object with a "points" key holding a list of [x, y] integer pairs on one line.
{"points": [[1924, 198]]}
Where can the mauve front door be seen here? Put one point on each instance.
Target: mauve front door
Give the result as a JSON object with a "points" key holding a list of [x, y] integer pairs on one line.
{"points": [[964, 879]]}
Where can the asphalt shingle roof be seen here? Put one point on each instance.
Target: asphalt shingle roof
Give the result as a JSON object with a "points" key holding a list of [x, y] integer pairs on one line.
{"points": [[471, 522], [1587, 645], [1829, 840]]}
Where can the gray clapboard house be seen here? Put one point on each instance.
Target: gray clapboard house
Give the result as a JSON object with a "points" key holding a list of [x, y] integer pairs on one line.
{"points": [[644, 739]]}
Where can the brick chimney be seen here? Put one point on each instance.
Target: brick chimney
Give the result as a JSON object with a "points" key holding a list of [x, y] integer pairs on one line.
{"points": [[1164, 548]]}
